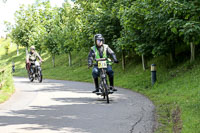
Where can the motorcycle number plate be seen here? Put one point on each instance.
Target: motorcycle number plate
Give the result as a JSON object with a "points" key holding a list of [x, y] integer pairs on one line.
{"points": [[102, 64]]}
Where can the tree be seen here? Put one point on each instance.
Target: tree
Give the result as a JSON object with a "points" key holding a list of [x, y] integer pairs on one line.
{"points": [[21, 31], [67, 39], [51, 26]]}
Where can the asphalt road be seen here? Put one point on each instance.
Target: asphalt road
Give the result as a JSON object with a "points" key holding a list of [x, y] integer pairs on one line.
{"points": [[57, 106]]}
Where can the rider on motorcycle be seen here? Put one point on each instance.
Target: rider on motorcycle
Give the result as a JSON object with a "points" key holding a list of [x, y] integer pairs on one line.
{"points": [[101, 50], [31, 59]]}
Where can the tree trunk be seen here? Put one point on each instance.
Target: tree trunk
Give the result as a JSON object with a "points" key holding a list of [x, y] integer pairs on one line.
{"points": [[80, 59], [53, 60], [143, 63], [26, 50], [70, 59], [7, 49], [17, 50], [123, 60], [192, 46], [40, 52], [172, 54]]}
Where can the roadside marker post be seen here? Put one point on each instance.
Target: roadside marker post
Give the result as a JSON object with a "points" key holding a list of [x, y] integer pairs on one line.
{"points": [[153, 74]]}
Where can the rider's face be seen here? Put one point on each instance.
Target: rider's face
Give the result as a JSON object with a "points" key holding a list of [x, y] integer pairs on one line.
{"points": [[99, 43], [32, 50]]}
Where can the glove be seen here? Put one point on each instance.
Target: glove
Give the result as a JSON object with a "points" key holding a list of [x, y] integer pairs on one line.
{"points": [[41, 61], [116, 61], [89, 63], [115, 58]]}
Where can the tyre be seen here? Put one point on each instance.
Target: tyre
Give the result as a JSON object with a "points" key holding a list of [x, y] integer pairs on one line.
{"points": [[40, 76], [30, 77], [102, 89], [106, 91]]}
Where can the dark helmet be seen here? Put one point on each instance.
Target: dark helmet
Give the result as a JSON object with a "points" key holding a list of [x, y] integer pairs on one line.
{"points": [[98, 37]]}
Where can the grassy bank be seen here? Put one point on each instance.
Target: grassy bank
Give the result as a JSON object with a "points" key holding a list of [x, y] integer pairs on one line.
{"points": [[176, 94], [7, 87]]}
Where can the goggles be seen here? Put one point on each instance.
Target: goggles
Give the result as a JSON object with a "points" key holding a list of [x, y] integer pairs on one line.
{"points": [[99, 40]]}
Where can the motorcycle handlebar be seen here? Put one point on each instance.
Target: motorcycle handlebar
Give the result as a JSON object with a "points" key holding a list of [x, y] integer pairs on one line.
{"points": [[101, 59]]}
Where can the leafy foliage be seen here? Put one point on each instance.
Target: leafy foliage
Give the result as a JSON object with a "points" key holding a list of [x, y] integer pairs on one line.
{"points": [[144, 26]]}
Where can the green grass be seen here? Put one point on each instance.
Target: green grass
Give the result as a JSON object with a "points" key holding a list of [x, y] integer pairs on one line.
{"points": [[176, 93], [8, 88]]}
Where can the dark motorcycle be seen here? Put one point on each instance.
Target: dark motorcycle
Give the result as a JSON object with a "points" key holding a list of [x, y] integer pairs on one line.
{"points": [[103, 84], [34, 71]]}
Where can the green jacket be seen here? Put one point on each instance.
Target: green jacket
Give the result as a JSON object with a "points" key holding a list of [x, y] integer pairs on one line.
{"points": [[103, 52]]}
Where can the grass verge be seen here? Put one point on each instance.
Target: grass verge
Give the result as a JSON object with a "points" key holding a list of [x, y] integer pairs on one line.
{"points": [[7, 87]]}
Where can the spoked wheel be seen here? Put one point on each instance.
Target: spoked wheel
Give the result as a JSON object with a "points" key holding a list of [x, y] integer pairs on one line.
{"points": [[102, 90], [30, 77], [106, 94], [40, 76]]}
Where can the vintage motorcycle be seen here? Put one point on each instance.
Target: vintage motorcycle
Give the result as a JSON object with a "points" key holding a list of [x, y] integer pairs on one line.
{"points": [[34, 71], [103, 84]]}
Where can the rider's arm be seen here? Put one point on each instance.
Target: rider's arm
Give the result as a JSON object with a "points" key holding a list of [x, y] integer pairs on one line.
{"points": [[91, 57], [40, 58], [27, 58], [111, 52]]}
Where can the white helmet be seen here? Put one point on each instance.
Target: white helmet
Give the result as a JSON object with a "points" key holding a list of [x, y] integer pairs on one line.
{"points": [[32, 48]]}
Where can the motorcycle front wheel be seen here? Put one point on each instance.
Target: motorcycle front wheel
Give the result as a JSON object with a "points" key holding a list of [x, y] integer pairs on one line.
{"points": [[106, 91], [30, 77], [40, 76]]}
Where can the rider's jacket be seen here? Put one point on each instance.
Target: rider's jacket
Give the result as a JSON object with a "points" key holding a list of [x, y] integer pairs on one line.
{"points": [[100, 52], [33, 57]]}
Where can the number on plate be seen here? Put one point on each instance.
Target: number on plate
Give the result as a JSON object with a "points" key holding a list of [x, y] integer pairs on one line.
{"points": [[102, 64]]}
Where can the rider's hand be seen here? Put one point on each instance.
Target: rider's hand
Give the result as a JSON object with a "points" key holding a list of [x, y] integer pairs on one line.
{"points": [[89, 63], [115, 58], [116, 61]]}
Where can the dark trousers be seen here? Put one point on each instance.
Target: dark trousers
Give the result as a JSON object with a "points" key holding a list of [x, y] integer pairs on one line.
{"points": [[96, 72]]}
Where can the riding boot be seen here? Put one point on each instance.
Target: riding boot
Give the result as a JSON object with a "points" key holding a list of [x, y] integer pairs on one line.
{"points": [[96, 82], [111, 80]]}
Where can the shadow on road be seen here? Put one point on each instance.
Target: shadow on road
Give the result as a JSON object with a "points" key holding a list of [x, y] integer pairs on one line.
{"points": [[82, 112], [77, 115]]}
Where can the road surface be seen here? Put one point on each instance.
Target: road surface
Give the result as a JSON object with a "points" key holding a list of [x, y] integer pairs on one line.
{"points": [[57, 106]]}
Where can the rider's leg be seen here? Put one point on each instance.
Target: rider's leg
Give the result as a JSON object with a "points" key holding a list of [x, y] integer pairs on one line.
{"points": [[31, 69], [95, 74], [111, 78]]}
